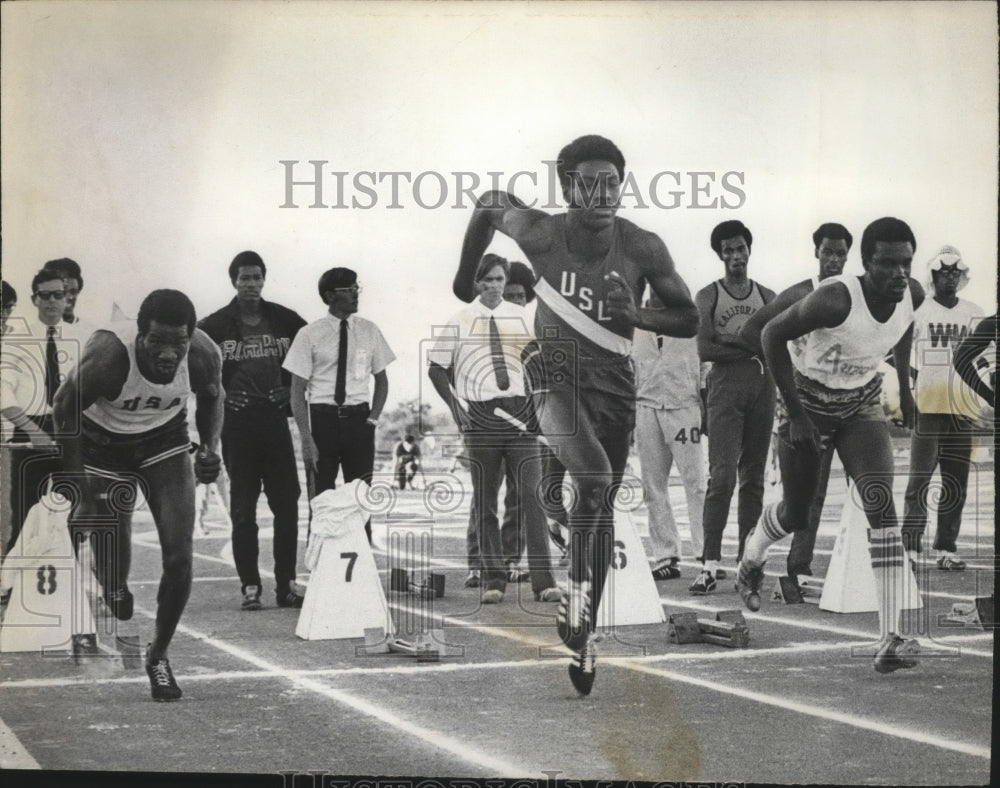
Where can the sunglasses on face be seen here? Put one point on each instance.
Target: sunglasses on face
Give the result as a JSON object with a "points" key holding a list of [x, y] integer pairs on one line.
{"points": [[46, 295]]}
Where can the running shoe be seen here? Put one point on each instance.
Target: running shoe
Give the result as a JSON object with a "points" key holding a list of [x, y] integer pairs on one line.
{"points": [[120, 602], [667, 571], [703, 584], [251, 598], [949, 562], [748, 582], [161, 680], [583, 668], [289, 597], [896, 653]]}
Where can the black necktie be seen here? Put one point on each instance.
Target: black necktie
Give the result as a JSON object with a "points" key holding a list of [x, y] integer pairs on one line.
{"points": [[496, 351], [51, 365], [340, 392]]}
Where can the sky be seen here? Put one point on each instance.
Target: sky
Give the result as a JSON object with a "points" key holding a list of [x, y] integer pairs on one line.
{"points": [[145, 139]]}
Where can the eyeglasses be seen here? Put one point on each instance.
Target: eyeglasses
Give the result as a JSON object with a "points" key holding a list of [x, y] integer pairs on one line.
{"points": [[47, 295], [351, 289]]}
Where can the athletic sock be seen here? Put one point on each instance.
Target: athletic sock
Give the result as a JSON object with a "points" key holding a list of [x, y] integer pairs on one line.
{"points": [[767, 532], [712, 567], [886, 548]]}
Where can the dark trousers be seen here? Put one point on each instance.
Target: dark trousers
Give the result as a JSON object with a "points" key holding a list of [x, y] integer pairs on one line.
{"points": [[490, 449], [740, 416], [257, 449], [942, 441], [343, 442], [30, 469]]}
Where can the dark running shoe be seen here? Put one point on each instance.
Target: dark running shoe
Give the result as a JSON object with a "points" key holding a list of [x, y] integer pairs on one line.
{"points": [[161, 680], [472, 581], [667, 571], [896, 653], [120, 602], [703, 584], [583, 668], [251, 598], [288, 597], [748, 582], [515, 575], [573, 615]]}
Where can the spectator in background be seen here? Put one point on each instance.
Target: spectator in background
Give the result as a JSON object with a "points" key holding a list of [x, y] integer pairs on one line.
{"points": [[946, 410], [35, 362], [740, 397], [8, 301], [254, 336], [667, 428], [475, 367], [334, 361], [72, 278], [407, 455], [831, 243]]}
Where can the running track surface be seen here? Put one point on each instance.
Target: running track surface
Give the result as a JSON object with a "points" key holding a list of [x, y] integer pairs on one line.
{"points": [[802, 704]]}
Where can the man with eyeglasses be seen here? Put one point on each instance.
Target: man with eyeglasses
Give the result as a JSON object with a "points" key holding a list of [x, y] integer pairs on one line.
{"points": [[333, 360], [36, 358], [72, 278]]}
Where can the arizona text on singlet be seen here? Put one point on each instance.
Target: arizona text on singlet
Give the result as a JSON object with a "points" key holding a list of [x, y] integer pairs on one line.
{"points": [[141, 405], [731, 313], [847, 356]]}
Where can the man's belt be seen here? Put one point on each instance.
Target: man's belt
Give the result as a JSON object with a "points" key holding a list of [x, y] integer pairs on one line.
{"points": [[343, 411]]}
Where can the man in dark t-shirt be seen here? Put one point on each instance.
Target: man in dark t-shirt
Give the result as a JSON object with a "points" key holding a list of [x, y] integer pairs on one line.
{"points": [[254, 336]]}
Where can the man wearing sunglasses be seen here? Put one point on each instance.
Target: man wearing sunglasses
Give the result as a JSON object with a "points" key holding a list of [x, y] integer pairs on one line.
{"points": [[37, 354], [334, 360]]}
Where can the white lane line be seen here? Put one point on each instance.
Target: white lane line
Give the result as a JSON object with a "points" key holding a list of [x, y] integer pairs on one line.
{"points": [[392, 718], [639, 664], [12, 752], [898, 731]]}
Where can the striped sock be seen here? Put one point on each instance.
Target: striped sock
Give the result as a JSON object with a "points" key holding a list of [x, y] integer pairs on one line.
{"points": [[767, 532], [888, 561]]}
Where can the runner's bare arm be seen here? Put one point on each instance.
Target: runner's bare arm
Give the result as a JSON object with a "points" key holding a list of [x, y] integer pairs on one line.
{"points": [[968, 351], [678, 317], [495, 211], [205, 365], [901, 361], [751, 331], [826, 307], [102, 372]]}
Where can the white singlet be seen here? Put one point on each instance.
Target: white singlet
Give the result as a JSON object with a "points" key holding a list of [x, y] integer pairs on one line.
{"points": [[847, 357], [141, 406]]}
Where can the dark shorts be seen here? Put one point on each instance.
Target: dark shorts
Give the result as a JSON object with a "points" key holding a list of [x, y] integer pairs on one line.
{"points": [[108, 453], [831, 409], [602, 391]]}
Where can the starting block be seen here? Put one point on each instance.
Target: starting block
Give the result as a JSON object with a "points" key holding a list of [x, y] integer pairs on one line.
{"points": [[426, 647], [728, 629], [786, 590], [978, 614], [431, 588]]}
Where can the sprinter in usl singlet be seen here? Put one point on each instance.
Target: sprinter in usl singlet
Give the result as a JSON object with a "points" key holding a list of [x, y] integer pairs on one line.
{"points": [[831, 395], [132, 387], [591, 269]]}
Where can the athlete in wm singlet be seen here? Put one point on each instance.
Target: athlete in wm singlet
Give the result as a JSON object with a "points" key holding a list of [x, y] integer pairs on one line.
{"points": [[592, 268], [132, 387]]}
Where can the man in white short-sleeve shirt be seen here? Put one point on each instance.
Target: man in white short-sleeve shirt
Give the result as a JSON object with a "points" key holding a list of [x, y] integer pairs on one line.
{"points": [[333, 361]]}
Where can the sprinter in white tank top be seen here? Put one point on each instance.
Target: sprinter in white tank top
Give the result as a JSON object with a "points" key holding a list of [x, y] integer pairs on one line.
{"points": [[831, 395], [132, 389]]}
